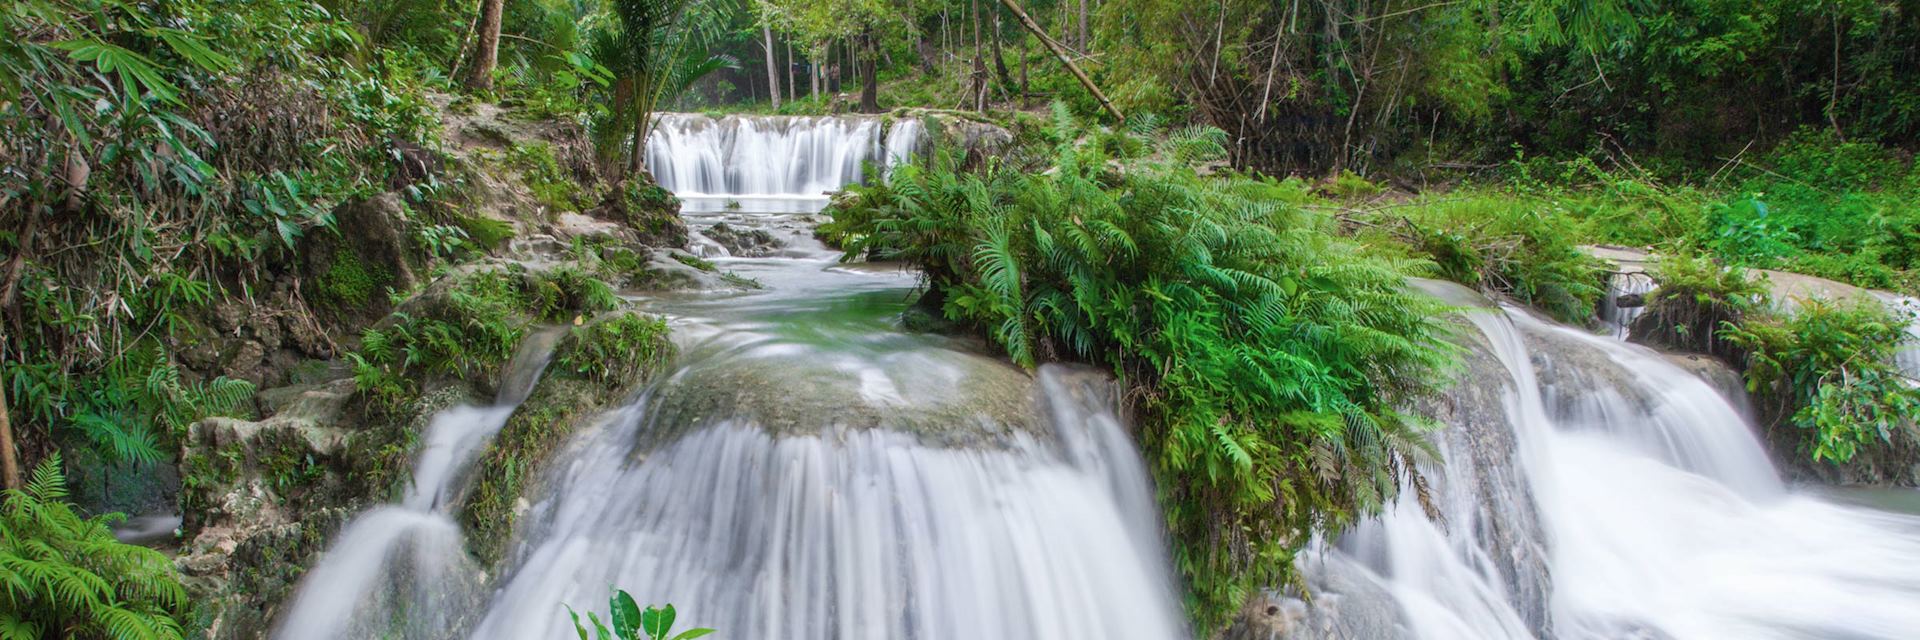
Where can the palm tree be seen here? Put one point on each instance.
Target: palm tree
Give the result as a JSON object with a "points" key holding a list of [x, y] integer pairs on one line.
{"points": [[653, 49]]}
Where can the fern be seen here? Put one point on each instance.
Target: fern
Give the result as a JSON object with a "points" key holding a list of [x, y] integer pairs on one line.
{"points": [[1268, 354], [65, 576]]}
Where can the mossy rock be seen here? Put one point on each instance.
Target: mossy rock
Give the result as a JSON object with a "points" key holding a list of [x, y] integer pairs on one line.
{"points": [[652, 212], [352, 265], [595, 366]]}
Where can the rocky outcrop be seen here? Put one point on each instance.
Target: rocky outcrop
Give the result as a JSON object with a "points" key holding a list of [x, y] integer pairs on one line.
{"points": [[743, 241], [1346, 603], [263, 497], [945, 398]]}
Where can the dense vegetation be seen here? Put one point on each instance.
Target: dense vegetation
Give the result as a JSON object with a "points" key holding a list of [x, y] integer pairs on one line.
{"points": [[1266, 355], [64, 576], [169, 166]]}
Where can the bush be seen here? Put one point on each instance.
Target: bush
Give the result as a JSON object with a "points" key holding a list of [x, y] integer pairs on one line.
{"points": [[1696, 299], [62, 576], [1268, 354], [1522, 246], [1828, 370]]}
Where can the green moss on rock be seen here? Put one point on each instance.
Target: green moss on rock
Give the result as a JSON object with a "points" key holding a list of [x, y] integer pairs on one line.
{"points": [[597, 364]]}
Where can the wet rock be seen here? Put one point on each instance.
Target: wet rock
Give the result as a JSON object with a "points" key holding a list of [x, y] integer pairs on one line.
{"points": [[1347, 603], [1717, 374], [269, 494], [1483, 488], [945, 398], [649, 210], [743, 241]]}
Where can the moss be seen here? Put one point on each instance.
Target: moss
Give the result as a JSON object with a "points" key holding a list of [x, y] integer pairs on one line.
{"points": [[349, 281], [543, 176], [696, 262], [594, 366], [485, 232]]}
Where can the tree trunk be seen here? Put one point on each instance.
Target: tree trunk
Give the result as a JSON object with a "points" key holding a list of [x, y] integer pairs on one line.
{"points": [[9, 460], [1061, 53], [773, 76], [979, 86], [928, 56], [869, 76], [638, 164], [793, 86], [1000, 60], [1086, 39], [487, 51]]}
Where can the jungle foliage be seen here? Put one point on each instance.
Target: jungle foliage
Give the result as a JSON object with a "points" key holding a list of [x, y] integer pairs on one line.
{"points": [[1265, 354], [64, 576]]}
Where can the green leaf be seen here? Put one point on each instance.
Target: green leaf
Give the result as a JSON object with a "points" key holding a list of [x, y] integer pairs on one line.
{"points": [[626, 614], [576, 622], [690, 634], [657, 622]]}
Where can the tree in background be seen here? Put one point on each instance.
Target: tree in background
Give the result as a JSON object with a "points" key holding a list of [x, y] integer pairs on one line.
{"points": [[486, 46], [654, 49], [856, 21]]}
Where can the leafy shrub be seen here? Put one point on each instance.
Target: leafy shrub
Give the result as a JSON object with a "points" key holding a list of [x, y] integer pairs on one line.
{"points": [[630, 622], [1269, 355], [472, 328], [1828, 370], [1696, 299], [62, 576], [616, 351], [1525, 247]]}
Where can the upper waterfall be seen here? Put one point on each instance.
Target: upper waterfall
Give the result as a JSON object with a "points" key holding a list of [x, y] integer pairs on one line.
{"points": [[695, 155]]}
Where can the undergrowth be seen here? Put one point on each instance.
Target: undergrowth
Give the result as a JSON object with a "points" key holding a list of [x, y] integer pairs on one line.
{"points": [[63, 576], [1266, 356]]}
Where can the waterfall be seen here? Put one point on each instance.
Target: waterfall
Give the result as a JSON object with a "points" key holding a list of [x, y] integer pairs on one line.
{"points": [[402, 570], [942, 521], [1624, 301], [1658, 513], [778, 157]]}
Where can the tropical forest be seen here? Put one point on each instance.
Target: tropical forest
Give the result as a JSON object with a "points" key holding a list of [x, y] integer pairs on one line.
{"points": [[957, 319]]}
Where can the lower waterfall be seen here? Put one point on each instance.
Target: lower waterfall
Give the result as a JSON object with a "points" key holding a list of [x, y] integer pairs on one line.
{"points": [[1650, 506]]}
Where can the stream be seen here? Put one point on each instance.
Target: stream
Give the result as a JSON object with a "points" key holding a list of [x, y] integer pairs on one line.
{"points": [[810, 470]]}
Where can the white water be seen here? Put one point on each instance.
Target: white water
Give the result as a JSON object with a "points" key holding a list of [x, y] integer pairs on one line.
{"points": [[857, 534], [402, 570], [1618, 319], [1661, 517], [771, 157]]}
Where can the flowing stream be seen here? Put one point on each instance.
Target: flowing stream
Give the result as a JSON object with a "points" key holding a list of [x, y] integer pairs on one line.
{"points": [[809, 470], [1643, 507]]}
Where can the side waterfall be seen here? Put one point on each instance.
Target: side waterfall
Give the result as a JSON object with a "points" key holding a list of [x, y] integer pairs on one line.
{"points": [[402, 570], [1651, 502]]}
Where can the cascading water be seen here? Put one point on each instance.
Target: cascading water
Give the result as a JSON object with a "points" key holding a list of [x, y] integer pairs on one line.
{"points": [[402, 571], [772, 157], [779, 487], [1657, 511], [1624, 301]]}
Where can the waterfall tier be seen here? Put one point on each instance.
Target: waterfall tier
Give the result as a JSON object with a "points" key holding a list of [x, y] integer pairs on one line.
{"points": [[1607, 493], [773, 157]]}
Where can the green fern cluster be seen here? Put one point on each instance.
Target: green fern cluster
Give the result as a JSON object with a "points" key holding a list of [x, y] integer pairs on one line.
{"points": [[615, 351], [1267, 354], [131, 410], [63, 576]]}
